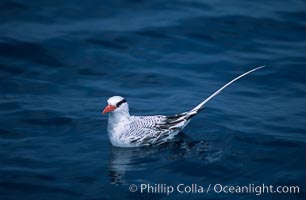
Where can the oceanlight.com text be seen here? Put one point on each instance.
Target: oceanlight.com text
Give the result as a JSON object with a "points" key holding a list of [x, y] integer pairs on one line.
{"points": [[194, 188]]}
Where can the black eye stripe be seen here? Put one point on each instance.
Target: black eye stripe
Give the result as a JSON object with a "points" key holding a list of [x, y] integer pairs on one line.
{"points": [[120, 102]]}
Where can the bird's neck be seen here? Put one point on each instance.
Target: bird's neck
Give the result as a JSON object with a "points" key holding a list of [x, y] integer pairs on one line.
{"points": [[119, 117]]}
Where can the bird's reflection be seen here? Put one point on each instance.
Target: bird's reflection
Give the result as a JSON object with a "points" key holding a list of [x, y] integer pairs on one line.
{"points": [[123, 160]]}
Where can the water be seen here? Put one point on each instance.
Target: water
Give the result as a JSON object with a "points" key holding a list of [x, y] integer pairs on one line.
{"points": [[60, 61]]}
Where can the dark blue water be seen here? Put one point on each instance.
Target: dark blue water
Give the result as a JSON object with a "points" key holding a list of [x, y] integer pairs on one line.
{"points": [[61, 60]]}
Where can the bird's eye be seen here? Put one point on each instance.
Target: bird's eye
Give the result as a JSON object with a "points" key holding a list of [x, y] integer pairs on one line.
{"points": [[120, 102]]}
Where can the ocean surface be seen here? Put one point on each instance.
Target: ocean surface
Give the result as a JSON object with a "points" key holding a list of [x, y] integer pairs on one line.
{"points": [[61, 60]]}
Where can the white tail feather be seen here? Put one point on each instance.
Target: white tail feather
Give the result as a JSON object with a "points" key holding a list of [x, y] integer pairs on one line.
{"points": [[202, 104]]}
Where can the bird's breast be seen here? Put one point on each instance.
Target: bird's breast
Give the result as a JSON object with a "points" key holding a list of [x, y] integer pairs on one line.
{"points": [[116, 129]]}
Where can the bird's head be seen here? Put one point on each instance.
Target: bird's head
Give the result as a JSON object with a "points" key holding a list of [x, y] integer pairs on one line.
{"points": [[116, 104]]}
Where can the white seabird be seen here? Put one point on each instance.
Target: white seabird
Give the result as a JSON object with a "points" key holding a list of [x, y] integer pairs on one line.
{"points": [[125, 130]]}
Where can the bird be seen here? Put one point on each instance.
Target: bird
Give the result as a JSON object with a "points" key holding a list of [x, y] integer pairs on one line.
{"points": [[125, 130]]}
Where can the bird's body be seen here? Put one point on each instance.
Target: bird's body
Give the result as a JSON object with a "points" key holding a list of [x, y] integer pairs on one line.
{"points": [[125, 130], [136, 131]]}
